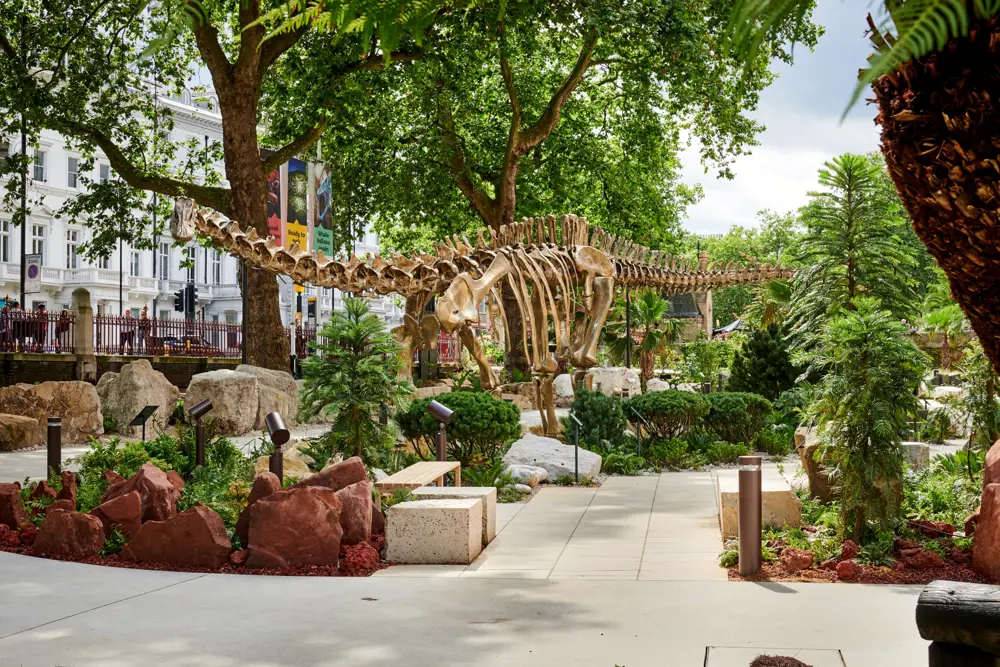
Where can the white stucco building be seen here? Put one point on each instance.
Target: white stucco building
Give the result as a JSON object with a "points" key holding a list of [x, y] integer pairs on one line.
{"points": [[126, 280]]}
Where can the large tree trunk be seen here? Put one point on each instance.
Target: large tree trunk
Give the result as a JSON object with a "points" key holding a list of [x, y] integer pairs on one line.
{"points": [[267, 345], [939, 118]]}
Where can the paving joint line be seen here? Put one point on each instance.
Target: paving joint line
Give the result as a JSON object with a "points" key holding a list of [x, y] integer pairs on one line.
{"points": [[578, 522], [649, 522], [100, 606]]}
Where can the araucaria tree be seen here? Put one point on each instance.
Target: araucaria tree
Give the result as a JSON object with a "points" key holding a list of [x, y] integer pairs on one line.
{"points": [[861, 408], [87, 68], [763, 364], [352, 378], [851, 247]]}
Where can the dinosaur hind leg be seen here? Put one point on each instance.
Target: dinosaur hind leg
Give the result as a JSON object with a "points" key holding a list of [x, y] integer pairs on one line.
{"points": [[604, 292]]}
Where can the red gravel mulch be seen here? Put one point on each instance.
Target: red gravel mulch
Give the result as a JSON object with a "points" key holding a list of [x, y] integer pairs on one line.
{"points": [[776, 661], [356, 561], [870, 574]]}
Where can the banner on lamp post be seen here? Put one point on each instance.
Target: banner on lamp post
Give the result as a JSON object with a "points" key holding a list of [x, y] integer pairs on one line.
{"points": [[322, 209], [296, 219]]}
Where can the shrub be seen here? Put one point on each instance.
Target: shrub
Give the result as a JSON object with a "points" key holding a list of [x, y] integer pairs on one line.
{"points": [[481, 430], [737, 416], [791, 405], [726, 452], [763, 365], [703, 358], [622, 462], [776, 440], [668, 414], [110, 425], [666, 453], [602, 418]]}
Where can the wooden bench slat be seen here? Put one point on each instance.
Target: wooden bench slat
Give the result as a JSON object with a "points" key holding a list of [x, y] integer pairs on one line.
{"points": [[419, 474]]}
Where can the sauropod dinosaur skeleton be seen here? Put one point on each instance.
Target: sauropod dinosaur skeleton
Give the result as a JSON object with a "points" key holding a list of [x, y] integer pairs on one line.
{"points": [[559, 270]]}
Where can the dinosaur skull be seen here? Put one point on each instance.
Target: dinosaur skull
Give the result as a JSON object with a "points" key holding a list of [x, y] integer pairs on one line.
{"points": [[457, 305], [182, 224]]}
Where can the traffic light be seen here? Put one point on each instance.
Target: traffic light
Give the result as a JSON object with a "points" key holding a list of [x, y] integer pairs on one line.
{"points": [[179, 301], [191, 299]]}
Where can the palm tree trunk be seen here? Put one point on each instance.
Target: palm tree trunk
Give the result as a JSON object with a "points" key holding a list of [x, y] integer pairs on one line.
{"points": [[939, 116], [945, 352]]}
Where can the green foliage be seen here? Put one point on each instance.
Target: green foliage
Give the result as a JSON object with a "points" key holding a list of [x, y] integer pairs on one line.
{"points": [[670, 413], [791, 405], [980, 401], [488, 474], [622, 462], [949, 490], [729, 558], [353, 375], [853, 247], [737, 416], [396, 497], [656, 332], [601, 417], [666, 453], [110, 425], [481, 430], [878, 550], [777, 440], [703, 359], [114, 542], [861, 408], [763, 364], [938, 427], [726, 452]]}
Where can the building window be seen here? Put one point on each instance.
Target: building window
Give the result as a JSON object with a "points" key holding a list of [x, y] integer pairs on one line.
{"points": [[72, 172], [164, 314], [216, 268], [5, 240], [189, 256], [135, 263], [164, 261], [72, 246], [105, 263], [38, 241], [105, 173], [40, 165], [136, 313], [4, 150]]}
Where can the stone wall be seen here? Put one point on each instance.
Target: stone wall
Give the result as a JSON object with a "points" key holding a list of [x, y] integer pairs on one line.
{"points": [[32, 368]]}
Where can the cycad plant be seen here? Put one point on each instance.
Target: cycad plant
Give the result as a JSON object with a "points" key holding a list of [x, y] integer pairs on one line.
{"points": [[861, 407], [650, 323], [352, 375], [770, 304], [949, 321], [935, 78], [851, 247]]}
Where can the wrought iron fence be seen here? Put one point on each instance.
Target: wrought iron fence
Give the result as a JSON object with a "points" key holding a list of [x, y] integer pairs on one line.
{"points": [[127, 335], [37, 331]]}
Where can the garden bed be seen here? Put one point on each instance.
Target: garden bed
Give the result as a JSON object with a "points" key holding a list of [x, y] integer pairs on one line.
{"points": [[868, 574]]}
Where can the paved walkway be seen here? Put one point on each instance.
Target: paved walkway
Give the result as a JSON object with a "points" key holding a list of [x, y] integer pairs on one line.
{"points": [[662, 527]]}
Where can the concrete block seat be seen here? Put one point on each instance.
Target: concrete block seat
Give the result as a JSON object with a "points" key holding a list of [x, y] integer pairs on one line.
{"points": [[918, 454], [435, 532], [487, 494], [780, 506]]}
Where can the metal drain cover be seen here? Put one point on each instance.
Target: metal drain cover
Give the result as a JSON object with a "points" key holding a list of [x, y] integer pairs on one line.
{"points": [[742, 656]]}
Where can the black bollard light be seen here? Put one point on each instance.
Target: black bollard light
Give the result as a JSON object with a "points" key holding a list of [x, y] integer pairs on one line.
{"points": [[199, 411], [444, 415], [749, 508], [576, 446], [279, 436], [54, 446]]}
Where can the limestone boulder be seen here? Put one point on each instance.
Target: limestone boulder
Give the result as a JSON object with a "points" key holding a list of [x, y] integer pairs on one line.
{"points": [[70, 534], [291, 467], [12, 512], [297, 526], [159, 497], [356, 512], [563, 388], [656, 384], [272, 383], [295, 450], [338, 476], [125, 512], [76, 403], [17, 432], [524, 390], [530, 475], [193, 538], [986, 543], [126, 393], [613, 381], [264, 484], [918, 454], [235, 399], [556, 458]]}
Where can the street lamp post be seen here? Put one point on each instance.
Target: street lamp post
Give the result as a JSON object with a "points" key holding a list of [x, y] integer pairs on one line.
{"points": [[24, 170], [628, 328]]}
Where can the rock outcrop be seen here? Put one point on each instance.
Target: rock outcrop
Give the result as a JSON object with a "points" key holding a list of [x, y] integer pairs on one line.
{"points": [[159, 497], [614, 381], [356, 512], [76, 403], [807, 444], [70, 534], [279, 392], [12, 512], [338, 476], [235, 398], [297, 526], [17, 432], [264, 484], [125, 512], [193, 538], [126, 393]]}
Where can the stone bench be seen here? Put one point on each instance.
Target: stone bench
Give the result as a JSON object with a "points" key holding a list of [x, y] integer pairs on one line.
{"points": [[487, 494], [918, 454], [435, 532], [780, 506]]}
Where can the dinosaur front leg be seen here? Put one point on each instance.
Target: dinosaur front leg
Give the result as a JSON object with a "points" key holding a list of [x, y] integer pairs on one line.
{"points": [[547, 406], [604, 294], [487, 377], [542, 358]]}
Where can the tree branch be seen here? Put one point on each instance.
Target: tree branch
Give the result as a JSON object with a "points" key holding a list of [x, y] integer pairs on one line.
{"points": [[293, 148], [508, 81], [249, 57], [273, 48], [460, 173], [207, 37]]}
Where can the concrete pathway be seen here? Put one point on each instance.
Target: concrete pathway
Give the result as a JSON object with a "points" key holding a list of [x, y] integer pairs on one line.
{"points": [[662, 527]]}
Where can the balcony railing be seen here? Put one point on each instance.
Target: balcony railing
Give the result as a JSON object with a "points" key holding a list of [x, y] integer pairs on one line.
{"points": [[36, 331]]}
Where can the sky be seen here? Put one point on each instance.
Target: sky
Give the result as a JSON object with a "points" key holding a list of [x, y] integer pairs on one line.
{"points": [[801, 111]]}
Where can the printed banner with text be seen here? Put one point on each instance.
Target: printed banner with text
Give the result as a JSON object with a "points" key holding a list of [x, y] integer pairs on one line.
{"points": [[296, 218]]}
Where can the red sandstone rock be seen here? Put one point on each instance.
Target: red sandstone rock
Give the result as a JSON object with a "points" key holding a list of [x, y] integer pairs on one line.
{"points": [[829, 564], [961, 555], [297, 526], [923, 560], [360, 560], [12, 512], [9, 537], [902, 545], [848, 570], [28, 534], [123, 511], [986, 544], [795, 560], [338, 476], [113, 478], [68, 491], [933, 528], [356, 515], [43, 490], [264, 485], [70, 534], [238, 557], [970, 524], [192, 538], [159, 497], [175, 480], [849, 550], [991, 466], [64, 504], [378, 521]]}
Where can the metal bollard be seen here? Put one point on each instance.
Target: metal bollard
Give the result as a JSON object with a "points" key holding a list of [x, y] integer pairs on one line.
{"points": [[749, 514], [442, 442], [54, 446]]}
